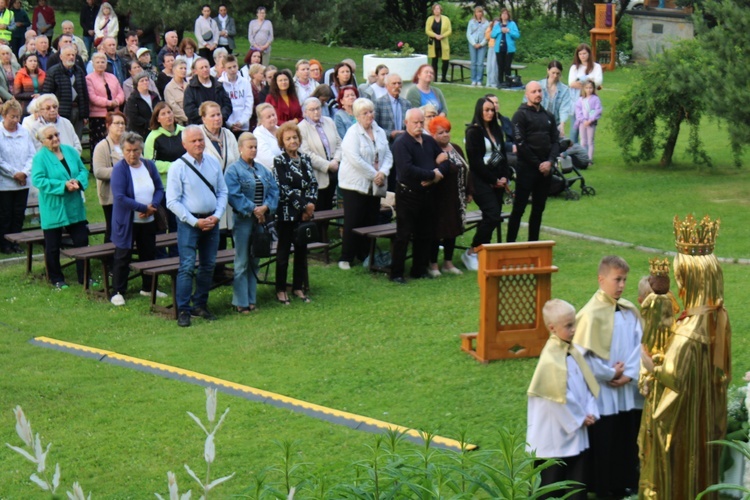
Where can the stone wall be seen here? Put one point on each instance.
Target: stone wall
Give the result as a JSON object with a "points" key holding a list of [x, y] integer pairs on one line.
{"points": [[654, 31]]}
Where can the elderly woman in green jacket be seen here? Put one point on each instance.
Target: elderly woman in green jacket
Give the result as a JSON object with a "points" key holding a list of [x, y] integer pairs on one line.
{"points": [[59, 174]]}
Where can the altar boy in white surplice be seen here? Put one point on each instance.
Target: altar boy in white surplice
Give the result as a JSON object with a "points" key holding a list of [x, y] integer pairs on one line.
{"points": [[608, 328], [562, 401]]}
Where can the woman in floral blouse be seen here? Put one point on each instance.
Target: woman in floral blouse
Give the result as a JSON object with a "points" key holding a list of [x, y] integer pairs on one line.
{"points": [[298, 193]]}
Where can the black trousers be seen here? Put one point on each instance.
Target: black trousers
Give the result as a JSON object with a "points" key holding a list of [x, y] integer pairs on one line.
{"points": [[449, 246], [285, 231], [12, 212], [438, 56], [207, 54], [490, 202], [79, 233], [107, 209], [415, 219], [504, 62], [613, 455], [529, 182], [360, 210], [144, 237], [326, 196], [570, 469]]}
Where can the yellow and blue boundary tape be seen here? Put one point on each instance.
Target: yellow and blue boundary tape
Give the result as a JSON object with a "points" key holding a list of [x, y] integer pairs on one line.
{"points": [[351, 420]]}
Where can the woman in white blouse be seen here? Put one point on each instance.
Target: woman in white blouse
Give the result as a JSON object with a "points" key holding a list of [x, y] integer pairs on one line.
{"points": [[363, 176], [583, 69], [265, 132]]}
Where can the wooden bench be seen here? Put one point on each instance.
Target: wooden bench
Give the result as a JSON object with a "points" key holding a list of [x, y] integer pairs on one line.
{"points": [[36, 237], [105, 252], [473, 219], [463, 64], [325, 217], [170, 266]]}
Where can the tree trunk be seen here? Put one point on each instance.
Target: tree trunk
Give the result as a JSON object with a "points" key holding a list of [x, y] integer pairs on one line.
{"points": [[671, 142]]}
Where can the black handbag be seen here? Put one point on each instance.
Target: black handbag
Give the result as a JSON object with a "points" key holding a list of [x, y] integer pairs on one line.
{"points": [[306, 232], [260, 246], [160, 217]]}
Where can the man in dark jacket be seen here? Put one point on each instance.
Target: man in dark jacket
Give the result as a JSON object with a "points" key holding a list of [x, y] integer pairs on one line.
{"points": [[62, 42], [68, 82], [420, 164], [537, 139], [86, 21], [114, 63], [204, 87]]}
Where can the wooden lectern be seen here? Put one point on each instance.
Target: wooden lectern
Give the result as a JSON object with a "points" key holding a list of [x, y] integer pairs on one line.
{"points": [[604, 31], [515, 281]]}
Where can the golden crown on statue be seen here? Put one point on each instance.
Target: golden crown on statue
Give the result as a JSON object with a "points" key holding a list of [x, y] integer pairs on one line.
{"points": [[694, 237], [658, 267]]}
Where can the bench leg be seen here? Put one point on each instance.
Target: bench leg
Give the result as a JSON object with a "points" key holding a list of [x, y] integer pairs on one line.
{"points": [[174, 294], [105, 278], [86, 274], [29, 257]]}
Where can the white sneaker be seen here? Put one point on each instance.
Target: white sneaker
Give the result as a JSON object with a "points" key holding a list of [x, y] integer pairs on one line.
{"points": [[471, 261], [452, 270], [434, 273], [117, 300], [344, 265], [159, 294]]}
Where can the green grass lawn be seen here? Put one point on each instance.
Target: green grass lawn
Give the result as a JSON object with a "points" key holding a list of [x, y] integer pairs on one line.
{"points": [[363, 345]]}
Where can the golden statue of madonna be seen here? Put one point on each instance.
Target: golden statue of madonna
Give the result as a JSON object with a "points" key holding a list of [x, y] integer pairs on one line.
{"points": [[658, 311], [693, 374]]}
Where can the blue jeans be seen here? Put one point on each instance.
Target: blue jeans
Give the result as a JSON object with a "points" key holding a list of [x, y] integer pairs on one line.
{"points": [[245, 267], [477, 63], [191, 240], [88, 42]]}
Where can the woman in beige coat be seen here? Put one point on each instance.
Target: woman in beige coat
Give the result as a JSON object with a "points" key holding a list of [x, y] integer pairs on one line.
{"points": [[438, 30], [325, 157], [106, 154]]}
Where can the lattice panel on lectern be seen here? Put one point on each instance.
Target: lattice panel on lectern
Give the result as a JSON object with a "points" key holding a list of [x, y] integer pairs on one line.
{"points": [[517, 300]]}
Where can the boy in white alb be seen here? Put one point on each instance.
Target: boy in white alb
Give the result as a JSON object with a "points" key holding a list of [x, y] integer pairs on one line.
{"points": [[608, 328], [562, 401]]}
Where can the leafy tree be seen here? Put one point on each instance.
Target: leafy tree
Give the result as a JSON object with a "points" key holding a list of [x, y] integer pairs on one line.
{"points": [[408, 14], [724, 31], [667, 92]]}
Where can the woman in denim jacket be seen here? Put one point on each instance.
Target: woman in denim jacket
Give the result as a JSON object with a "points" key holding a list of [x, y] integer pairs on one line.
{"points": [[254, 196]]}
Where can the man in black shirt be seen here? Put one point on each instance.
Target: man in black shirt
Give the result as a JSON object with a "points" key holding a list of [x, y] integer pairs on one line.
{"points": [[420, 163], [538, 142]]}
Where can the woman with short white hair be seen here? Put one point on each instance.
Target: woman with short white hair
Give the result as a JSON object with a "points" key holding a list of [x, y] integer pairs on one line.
{"points": [[265, 132], [58, 172], [321, 142], [365, 165]]}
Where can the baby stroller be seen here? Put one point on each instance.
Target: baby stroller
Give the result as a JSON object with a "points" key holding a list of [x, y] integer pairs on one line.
{"points": [[565, 174]]}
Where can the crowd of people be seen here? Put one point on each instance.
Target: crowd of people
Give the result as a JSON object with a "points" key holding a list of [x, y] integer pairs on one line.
{"points": [[326, 139]]}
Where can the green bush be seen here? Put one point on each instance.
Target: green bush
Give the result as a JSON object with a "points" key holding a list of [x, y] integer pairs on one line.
{"points": [[544, 39]]}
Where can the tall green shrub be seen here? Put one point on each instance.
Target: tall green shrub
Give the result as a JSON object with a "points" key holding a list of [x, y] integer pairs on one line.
{"points": [[667, 92]]}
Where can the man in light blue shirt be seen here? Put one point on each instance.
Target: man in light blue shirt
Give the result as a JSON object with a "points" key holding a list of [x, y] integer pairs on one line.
{"points": [[197, 195]]}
